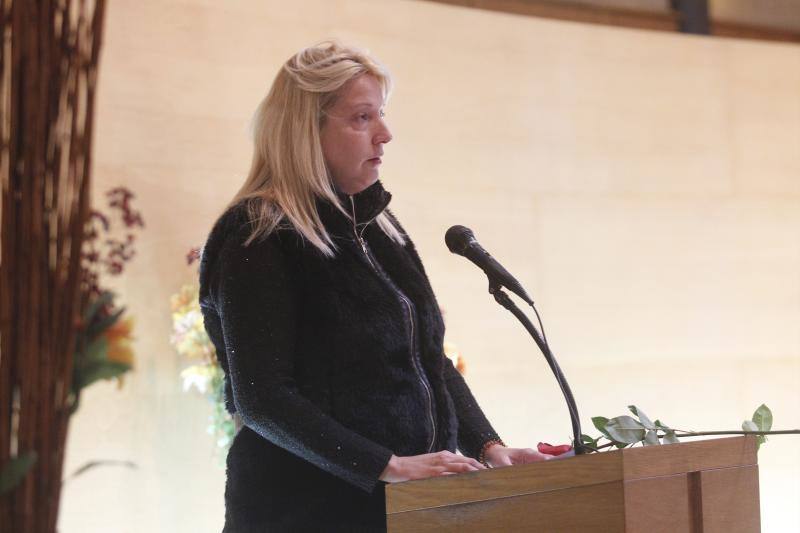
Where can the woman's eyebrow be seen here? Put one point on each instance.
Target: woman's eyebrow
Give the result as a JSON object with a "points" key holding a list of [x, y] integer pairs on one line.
{"points": [[361, 105]]}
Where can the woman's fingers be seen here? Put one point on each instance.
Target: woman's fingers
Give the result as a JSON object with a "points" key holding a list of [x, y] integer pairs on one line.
{"points": [[458, 467], [430, 464], [448, 457], [477, 464], [447, 463], [535, 455]]}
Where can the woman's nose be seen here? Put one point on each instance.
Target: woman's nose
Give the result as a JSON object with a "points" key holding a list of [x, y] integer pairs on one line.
{"points": [[383, 135]]}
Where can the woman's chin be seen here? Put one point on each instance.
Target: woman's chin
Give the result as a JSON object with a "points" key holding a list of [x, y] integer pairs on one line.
{"points": [[368, 180], [357, 185]]}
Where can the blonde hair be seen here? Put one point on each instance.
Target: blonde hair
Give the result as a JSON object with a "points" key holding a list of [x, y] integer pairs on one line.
{"points": [[288, 170]]}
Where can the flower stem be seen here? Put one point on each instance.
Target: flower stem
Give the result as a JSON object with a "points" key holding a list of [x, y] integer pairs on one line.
{"points": [[698, 433], [685, 433]]}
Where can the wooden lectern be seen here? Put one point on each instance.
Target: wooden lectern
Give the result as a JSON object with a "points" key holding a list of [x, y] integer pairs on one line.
{"points": [[705, 486]]}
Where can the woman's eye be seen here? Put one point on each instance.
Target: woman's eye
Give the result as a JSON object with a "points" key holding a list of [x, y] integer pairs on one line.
{"points": [[367, 116]]}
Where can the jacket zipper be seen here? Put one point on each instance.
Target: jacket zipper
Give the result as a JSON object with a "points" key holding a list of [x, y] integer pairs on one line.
{"points": [[417, 365]]}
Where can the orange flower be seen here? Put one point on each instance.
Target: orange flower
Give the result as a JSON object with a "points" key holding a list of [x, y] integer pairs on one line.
{"points": [[452, 351], [461, 366], [119, 337]]}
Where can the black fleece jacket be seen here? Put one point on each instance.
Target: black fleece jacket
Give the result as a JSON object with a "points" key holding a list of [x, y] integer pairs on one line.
{"points": [[338, 361]]}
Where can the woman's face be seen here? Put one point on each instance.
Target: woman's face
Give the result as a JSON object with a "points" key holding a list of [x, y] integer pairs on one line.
{"points": [[353, 134]]}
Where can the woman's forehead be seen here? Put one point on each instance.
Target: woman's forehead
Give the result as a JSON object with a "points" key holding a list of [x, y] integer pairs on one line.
{"points": [[362, 91]]}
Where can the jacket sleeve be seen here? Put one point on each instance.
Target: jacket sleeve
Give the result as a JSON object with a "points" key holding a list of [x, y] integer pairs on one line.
{"points": [[254, 293], [474, 429]]}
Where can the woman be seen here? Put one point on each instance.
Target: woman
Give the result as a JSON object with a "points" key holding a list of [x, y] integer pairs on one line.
{"points": [[324, 320]]}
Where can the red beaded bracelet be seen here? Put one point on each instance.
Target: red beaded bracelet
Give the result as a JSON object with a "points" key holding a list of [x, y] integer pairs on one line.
{"points": [[486, 445]]}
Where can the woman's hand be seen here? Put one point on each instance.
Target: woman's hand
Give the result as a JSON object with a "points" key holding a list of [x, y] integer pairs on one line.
{"points": [[427, 465], [497, 455]]}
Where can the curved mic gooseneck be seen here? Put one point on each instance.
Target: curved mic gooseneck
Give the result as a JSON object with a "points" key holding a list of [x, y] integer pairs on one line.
{"points": [[461, 241]]}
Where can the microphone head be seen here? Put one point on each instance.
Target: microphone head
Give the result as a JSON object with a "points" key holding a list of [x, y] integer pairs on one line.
{"points": [[458, 238]]}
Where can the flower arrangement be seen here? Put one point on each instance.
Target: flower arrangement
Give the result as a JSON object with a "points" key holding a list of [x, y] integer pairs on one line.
{"points": [[103, 347], [203, 372]]}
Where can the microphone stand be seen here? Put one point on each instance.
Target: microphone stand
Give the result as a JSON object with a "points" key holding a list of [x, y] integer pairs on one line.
{"points": [[502, 298]]}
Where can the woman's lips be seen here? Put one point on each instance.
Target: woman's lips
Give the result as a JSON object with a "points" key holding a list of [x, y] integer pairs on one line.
{"points": [[375, 160]]}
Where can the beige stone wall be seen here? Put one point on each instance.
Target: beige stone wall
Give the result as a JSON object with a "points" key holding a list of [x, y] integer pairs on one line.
{"points": [[645, 187]]}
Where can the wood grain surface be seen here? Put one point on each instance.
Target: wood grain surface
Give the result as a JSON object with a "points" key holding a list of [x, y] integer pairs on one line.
{"points": [[577, 509], [689, 457], [699, 487]]}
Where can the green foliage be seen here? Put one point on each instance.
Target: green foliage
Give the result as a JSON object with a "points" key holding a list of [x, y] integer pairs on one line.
{"points": [[94, 365], [643, 418], [91, 362], [651, 438], [670, 438], [15, 471], [600, 423], [623, 431], [102, 370], [95, 323], [761, 421], [222, 424], [589, 442], [763, 418]]}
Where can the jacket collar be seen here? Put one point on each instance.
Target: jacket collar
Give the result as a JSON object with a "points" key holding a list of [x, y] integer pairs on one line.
{"points": [[364, 206]]}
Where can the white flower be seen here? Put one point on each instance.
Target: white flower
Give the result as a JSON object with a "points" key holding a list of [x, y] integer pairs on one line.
{"points": [[196, 376]]}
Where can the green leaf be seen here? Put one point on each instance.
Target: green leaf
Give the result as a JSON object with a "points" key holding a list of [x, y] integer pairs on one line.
{"points": [[96, 351], [670, 438], [646, 422], [15, 470], [625, 429], [107, 322], [600, 423], [590, 442], [752, 425], [651, 438], [763, 418], [660, 425], [105, 298], [101, 370]]}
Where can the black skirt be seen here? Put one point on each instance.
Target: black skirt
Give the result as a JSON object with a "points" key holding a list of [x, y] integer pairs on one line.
{"points": [[270, 489]]}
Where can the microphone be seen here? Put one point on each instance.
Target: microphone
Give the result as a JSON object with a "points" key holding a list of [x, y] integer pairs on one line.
{"points": [[461, 241]]}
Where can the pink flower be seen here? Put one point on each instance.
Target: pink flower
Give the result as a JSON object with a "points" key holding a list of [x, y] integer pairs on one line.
{"points": [[553, 450]]}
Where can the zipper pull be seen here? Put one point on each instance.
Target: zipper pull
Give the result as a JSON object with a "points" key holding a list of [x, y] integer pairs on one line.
{"points": [[359, 238], [353, 210]]}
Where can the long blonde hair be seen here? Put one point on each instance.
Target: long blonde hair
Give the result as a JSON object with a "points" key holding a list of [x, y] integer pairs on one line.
{"points": [[288, 170]]}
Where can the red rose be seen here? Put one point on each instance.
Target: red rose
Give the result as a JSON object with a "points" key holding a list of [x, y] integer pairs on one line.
{"points": [[553, 450]]}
